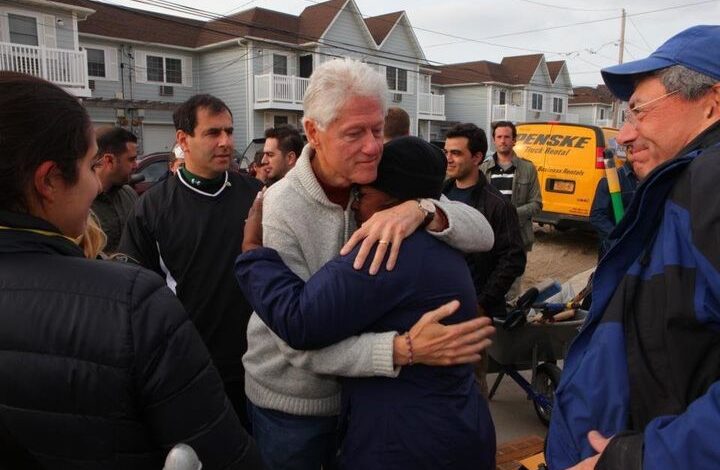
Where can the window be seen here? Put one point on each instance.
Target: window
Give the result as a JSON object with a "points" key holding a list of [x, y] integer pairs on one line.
{"points": [[173, 70], [280, 121], [557, 105], [164, 69], [537, 101], [280, 64], [602, 113], [23, 29], [396, 79], [96, 62], [102, 61], [425, 84], [501, 97]]}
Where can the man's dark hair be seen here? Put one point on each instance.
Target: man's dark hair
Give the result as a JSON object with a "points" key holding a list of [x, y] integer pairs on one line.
{"points": [[289, 139], [114, 140], [504, 124], [477, 140], [39, 122], [185, 117], [397, 123]]}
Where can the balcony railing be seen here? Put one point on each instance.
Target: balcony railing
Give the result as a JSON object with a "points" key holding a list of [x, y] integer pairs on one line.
{"points": [[432, 105], [287, 89], [508, 112], [63, 67], [571, 118]]}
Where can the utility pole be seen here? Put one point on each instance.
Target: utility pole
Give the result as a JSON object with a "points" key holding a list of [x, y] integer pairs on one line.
{"points": [[622, 37], [620, 61]]}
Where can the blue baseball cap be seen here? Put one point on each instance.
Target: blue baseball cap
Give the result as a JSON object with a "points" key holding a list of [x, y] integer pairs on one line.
{"points": [[694, 48]]}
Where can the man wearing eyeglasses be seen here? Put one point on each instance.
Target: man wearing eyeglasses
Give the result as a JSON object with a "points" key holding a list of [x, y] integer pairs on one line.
{"points": [[641, 385]]}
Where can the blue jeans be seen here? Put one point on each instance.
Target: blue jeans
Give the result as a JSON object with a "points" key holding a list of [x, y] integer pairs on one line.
{"points": [[291, 442]]}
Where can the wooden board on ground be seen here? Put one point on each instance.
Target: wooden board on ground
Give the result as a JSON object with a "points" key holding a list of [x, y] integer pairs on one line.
{"points": [[510, 454]]}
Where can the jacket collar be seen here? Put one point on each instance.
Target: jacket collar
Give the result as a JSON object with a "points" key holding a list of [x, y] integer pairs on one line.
{"points": [[450, 183], [641, 218], [305, 176], [494, 162], [24, 233]]}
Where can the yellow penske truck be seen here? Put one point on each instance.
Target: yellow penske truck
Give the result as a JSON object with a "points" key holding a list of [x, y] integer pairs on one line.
{"points": [[569, 161]]}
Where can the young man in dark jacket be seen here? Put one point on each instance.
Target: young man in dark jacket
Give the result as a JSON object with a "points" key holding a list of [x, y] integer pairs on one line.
{"points": [[494, 271]]}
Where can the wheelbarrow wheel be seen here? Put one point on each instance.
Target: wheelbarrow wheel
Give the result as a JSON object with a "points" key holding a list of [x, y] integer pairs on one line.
{"points": [[547, 378]]}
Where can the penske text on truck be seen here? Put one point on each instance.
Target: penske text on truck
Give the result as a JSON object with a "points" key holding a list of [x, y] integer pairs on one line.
{"points": [[569, 162]]}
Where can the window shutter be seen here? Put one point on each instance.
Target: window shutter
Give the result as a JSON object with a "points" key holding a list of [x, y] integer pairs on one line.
{"points": [[269, 120], [140, 66], [49, 38], [111, 63], [187, 71]]}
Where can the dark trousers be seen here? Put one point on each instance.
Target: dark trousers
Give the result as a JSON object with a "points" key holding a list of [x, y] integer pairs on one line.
{"points": [[291, 442]]}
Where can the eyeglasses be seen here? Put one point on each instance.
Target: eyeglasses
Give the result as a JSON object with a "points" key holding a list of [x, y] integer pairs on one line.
{"points": [[632, 115]]}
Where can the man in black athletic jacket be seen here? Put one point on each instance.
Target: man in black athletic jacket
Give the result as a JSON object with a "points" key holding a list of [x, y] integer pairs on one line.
{"points": [[189, 229]]}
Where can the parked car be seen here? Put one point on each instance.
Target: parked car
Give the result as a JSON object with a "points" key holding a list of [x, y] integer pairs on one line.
{"points": [[153, 167]]}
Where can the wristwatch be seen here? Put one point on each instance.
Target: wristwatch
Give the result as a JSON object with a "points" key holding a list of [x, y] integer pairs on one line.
{"points": [[427, 206]]}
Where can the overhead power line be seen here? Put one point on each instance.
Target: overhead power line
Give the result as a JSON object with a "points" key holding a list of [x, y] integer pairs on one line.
{"points": [[567, 8]]}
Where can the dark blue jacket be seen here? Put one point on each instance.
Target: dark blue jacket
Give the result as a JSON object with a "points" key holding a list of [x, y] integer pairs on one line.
{"points": [[427, 417], [602, 216], [646, 366]]}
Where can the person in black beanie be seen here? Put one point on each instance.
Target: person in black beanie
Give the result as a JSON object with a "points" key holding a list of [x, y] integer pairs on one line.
{"points": [[426, 417]]}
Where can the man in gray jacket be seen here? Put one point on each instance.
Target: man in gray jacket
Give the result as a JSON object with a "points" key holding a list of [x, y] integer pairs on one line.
{"points": [[517, 180], [294, 398]]}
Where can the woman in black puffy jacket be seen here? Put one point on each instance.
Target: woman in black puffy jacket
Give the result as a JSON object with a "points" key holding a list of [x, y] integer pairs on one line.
{"points": [[100, 366]]}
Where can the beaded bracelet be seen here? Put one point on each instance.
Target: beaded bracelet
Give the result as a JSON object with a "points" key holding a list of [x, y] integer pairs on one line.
{"points": [[410, 348]]}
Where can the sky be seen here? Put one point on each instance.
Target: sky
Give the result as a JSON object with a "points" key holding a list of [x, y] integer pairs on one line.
{"points": [[584, 33]]}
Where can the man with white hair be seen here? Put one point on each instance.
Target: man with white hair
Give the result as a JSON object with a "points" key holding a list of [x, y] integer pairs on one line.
{"points": [[641, 385], [294, 397]]}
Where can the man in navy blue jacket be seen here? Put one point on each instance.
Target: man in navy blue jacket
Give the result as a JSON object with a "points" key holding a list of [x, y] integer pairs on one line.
{"points": [[641, 385]]}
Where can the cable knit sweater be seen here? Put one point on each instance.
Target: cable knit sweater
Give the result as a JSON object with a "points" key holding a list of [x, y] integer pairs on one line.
{"points": [[308, 230]]}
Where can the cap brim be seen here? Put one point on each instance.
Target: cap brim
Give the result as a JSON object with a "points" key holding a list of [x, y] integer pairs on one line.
{"points": [[620, 79]]}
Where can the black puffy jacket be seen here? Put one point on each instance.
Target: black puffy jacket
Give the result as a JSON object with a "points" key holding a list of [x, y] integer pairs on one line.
{"points": [[100, 366]]}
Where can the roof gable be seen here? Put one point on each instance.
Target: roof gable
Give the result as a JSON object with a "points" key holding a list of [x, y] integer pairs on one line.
{"points": [[554, 69], [521, 69], [380, 26], [402, 30], [316, 19]]}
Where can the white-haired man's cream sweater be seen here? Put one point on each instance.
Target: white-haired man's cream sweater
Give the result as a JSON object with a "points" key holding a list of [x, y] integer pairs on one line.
{"points": [[308, 230]]}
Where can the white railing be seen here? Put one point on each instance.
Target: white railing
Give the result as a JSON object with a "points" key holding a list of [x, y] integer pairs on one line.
{"points": [[604, 122], [571, 118], [61, 66], [508, 112], [433, 105], [280, 88]]}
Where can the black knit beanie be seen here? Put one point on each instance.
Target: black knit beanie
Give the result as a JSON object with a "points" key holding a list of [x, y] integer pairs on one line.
{"points": [[411, 168]]}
